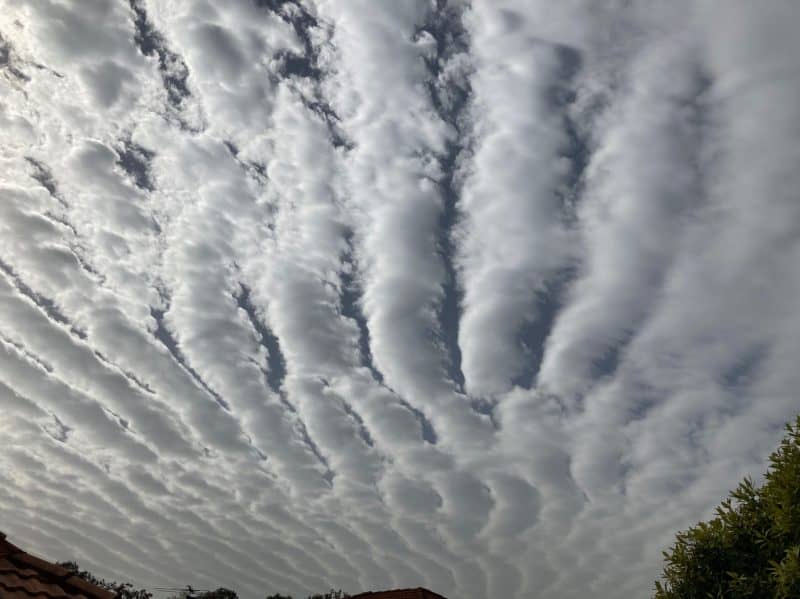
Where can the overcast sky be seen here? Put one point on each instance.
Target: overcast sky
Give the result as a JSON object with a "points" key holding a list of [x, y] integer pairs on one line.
{"points": [[487, 296]]}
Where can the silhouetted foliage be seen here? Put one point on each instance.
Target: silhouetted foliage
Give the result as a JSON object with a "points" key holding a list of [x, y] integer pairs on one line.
{"points": [[220, 593], [752, 547], [332, 594], [123, 590]]}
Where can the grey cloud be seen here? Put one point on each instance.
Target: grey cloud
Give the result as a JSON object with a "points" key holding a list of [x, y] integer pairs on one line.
{"points": [[106, 81], [372, 293]]}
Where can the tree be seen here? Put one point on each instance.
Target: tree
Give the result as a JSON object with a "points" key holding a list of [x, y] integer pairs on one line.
{"points": [[752, 547], [332, 594], [220, 593], [122, 590]]}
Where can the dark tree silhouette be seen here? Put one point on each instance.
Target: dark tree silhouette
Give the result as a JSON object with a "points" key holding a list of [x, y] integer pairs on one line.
{"points": [[122, 590], [220, 593], [332, 594]]}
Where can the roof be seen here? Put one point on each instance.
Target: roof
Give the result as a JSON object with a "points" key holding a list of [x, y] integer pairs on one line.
{"points": [[23, 576], [418, 593]]}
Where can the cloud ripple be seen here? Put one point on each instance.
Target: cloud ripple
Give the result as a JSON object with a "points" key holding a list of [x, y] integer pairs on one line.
{"points": [[489, 296]]}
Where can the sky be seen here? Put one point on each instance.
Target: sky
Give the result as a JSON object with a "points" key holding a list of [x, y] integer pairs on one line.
{"points": [[488, 296]]}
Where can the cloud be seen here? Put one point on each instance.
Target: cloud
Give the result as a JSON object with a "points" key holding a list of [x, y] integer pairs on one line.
{"points": [[380, 294]]}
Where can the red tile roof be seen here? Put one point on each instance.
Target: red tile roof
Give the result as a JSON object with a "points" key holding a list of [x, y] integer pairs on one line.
{"points": [[418, 593], [23, 576]]}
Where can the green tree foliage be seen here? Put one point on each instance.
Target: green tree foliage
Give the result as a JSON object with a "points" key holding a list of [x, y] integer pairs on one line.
{"points": [[123, 590], [752, 547]]}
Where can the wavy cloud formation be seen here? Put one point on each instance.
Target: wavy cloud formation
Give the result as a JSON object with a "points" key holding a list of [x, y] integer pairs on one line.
{"points": [[489, 296]]}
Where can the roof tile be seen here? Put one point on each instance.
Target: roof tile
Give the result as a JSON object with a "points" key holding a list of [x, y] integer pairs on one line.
{"points": [[87, 588], [24, 576], [5, 594], [32, 586], [41, 565]]}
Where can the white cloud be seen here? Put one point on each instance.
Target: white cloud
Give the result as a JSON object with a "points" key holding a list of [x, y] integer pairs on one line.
{"points": [[377, 293]]}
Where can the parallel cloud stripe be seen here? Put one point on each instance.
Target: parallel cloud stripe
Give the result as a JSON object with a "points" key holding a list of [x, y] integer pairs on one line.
{"points": [[485, 296]]}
